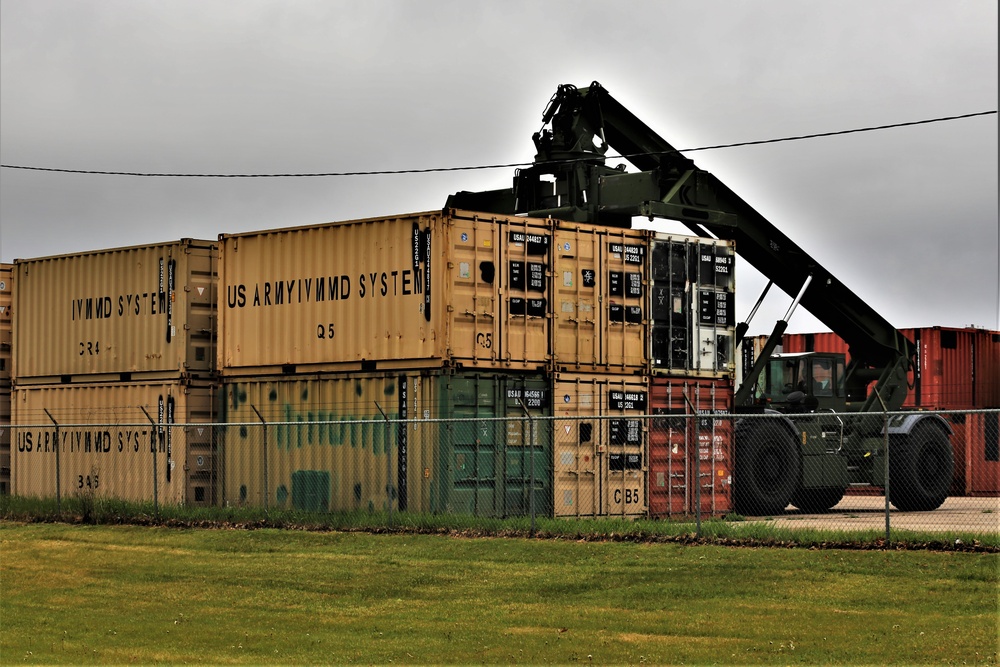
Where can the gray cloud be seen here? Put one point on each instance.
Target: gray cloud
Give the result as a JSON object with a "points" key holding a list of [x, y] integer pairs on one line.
{"points": [[907, 217]]}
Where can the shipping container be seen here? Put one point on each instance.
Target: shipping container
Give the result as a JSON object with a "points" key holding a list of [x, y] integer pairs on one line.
{"points": [[691, 306], [428, 290], [690, 447], [599, 299], [6, 333], [600, 442], [147, 442], [976, 442], [136, 313], [337, 442], [956, 369]]}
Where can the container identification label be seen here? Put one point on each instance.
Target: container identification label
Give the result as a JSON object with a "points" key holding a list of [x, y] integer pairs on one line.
{"points": [[626, 400], [534, 244], [533, 398], [631, 254]]}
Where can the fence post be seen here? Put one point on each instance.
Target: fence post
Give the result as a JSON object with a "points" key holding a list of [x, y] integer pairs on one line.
{"points": [[531, 464], [697, 466], [58, 480], [388, 463], [267, 488], [885, 448], [156, 498]]}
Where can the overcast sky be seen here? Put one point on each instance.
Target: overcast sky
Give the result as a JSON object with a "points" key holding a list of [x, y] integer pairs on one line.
{"points": [[907, 218]]}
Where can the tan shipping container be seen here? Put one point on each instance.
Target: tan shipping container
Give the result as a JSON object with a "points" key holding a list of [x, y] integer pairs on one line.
{"points": [[75, 440], [600, 442], [422, 290], [599, 299], [6, 299], [142, 312], [321, 442]]}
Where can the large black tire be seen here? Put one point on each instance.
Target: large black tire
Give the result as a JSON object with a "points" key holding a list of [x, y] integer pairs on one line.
{"points": [[817, 500], [766, 469], [920, 469]]}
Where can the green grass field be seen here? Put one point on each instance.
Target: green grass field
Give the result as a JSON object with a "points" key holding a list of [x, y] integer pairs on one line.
{"points": [[128, 594]]}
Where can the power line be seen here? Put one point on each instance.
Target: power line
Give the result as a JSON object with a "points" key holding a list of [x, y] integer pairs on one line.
{"points": [[510, 165]]}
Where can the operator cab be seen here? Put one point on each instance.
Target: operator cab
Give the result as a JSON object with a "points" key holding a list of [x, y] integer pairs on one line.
{"points": [[809, 380]]}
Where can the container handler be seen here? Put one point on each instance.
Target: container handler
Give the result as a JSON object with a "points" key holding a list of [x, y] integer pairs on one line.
{"points": [[807, 455]]}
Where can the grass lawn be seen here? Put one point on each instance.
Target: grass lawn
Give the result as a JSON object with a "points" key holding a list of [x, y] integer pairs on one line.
{"points": [[129, 594]]}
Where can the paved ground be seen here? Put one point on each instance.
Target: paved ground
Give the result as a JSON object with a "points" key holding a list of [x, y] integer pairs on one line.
{"points": [[973, 515]]}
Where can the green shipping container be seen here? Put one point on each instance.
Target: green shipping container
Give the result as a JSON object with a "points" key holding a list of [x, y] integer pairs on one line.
{"points": [[443, 446]]}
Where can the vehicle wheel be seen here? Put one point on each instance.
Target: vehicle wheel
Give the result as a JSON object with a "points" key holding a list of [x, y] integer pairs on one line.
{"points": [[766, 470], [817, 500], [920, 469]]}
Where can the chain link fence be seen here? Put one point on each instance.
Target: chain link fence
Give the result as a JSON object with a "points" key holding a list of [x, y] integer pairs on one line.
{"points": [[921, 471]]}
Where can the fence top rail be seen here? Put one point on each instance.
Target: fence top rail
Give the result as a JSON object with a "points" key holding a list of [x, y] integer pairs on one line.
{"points": [[518, 418]]}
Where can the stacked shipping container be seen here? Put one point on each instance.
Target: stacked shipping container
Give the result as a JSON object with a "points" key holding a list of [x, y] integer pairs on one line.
{"points": [[120, 337], [691, 366], [453, 298], [522, 351], [436, 441]]}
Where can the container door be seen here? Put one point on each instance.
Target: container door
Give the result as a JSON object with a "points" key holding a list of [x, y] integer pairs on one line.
{"points": [[471, 470], [476, 275], [625, 455], [524, 336], [576, 441], [528, 452], [576, 342], [686, 451], [983, 445], [715, 310], [600, 459], [624, 267]]}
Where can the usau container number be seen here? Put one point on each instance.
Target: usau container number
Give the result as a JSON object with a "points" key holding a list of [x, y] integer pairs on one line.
{"points": [[485, 340], [90, 348], [324, 331]]}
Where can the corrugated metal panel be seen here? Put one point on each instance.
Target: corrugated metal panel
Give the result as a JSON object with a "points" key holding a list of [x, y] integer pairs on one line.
{"points": [[109, 313], [122, 456], [944, 372], [987, 373], [691, 306], [685, 453], [477, 465], [982, 454], [600, 453], [421, 290], [6, 299]]}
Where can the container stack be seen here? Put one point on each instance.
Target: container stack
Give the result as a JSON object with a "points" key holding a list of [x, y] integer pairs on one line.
{"points": [[6, 333], [435, 316], [440, 362], [123, 340], [691, 372], [529, 336]]}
